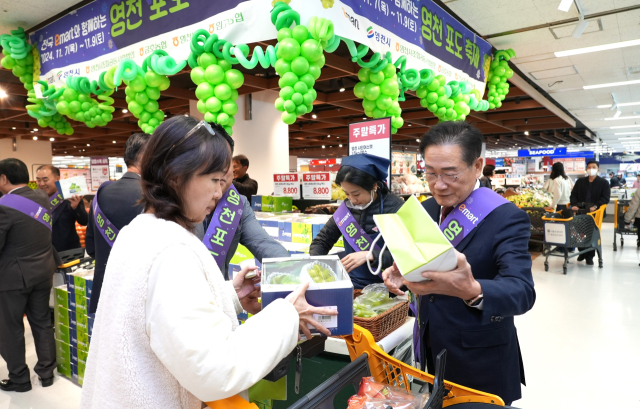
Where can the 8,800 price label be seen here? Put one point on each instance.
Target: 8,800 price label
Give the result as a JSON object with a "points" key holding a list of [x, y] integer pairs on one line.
{"points": [[286, 184], [316, 186]]}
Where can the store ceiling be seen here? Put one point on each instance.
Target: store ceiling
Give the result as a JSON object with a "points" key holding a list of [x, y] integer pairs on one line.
{"points": [[28, 13], [504, 128], [536, 29]]}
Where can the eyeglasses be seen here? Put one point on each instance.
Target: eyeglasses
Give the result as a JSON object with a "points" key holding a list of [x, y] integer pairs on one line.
{"points": [[446, 178], [200, 124]]}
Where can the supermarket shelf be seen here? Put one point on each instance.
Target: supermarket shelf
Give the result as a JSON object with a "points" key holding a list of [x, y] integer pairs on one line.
{"points": [[388, 343]]}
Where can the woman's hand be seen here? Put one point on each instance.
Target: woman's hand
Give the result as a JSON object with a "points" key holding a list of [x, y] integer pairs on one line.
{"points": [[251, 303], [306, 311], [355, 260], [393, 279], [245, 286]]}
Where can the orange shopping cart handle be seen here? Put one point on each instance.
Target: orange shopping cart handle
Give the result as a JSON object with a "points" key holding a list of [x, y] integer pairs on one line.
{"points": [[233, 402]]}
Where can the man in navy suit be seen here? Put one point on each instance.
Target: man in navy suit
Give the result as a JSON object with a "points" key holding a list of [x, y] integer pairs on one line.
{"points": [[119, 203], [470, 310]]}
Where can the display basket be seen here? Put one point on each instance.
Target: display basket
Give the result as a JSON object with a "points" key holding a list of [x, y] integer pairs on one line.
{"points": [[578, 231], [383, 324], [621, 206]]}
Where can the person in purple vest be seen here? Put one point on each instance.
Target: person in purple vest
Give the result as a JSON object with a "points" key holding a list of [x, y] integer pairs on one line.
{"points": [[26, 277], [363, 179], [470, 310]]}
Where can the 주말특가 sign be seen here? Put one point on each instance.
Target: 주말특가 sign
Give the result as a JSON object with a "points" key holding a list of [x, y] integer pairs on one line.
{"points": [[97, 36], [316, 186], [286, 184], [99, 172]]}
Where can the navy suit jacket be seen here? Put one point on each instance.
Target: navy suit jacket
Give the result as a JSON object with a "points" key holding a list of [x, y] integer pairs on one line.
{"points": [[64, 234], [482, 346], [119, 203]]}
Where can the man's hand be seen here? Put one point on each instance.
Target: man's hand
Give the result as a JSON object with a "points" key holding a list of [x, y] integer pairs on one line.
{"points": [[243, 286], [575, 208], [75, 200], [251, 302], [355, 260], [594, 208], [458, 282], [393, 279]]}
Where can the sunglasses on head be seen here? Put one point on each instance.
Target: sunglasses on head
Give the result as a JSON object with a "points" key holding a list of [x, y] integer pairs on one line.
{"points": [[202, 124]]}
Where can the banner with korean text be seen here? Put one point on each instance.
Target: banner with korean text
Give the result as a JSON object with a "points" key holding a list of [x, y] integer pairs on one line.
{"points": [[99, 35]]}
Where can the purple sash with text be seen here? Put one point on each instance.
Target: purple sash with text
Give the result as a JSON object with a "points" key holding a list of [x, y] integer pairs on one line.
{"points": [[223, 226]]}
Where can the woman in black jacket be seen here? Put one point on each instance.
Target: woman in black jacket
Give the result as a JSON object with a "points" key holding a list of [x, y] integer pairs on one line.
{"points": [[363, 179]]}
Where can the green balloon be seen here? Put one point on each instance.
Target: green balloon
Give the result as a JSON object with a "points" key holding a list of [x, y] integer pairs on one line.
{"points": [[286, 93], [308, 98], [397, 122], [74, 106], [288, 48], [151, 106], [494, 80], [376, 77], [134, 108], [442, 79], [499, 71], [289, 79], [234, 94], [226, 65], [197, 76], [159, 115], [449, 104], [369, 105], [228, 128], [214, 74], [363, 74], [389, 71], [441, 112], [297, 98], [204, 90], [371, 91], [379, 113], [384, 102], [283, 33], [234, 78], [300, 65], [222, 92], [43, 123], [206, 59], [283, 66], [152, 92], [315, 71], [137, 84], [146, 116], [389, 86], [441, 91], [290, 106], [280, 104], [450, 114], [142, 98], [301, 87], [131, 93], [288, 118], [301, 110], [433, 107], [432, 97], [8, 63], [222, 118], [308, 80], [213, 104], [422, 92], [461, 117], [69, 94], [62, 107], [358, 90], [442, 101], [152, 79], [209, 117], [230, 108], [300, 33], [311, 50], [86, 106], [231, 122]]}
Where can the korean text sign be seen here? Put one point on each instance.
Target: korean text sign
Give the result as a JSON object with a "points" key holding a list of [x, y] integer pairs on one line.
{"points": [[99, 171], [372, 137], [316, 186], [286, 184]]}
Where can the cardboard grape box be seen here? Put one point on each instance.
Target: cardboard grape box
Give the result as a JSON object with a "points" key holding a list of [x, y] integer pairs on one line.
{"points": [[281, 276]]}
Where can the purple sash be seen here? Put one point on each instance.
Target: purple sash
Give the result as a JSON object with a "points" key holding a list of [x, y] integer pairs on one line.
{"points": [[456, 226], [28, 207], [55, 201], [104, 226], [224, 223], [355, 235]]}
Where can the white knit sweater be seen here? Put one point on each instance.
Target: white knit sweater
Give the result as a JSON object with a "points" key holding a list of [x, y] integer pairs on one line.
{"points": [[166, 333]]}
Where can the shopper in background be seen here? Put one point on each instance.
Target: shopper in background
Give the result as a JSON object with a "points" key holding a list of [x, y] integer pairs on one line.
{"points": [[65, 214], [636, 183], [560, 186], [363, 179], [590, 193], [167, 334], [119, 204], [249, 233], [633, 214], [613, 180], [246, 186], [621, 178], [470, 310], [26, 278], [487, 172]]}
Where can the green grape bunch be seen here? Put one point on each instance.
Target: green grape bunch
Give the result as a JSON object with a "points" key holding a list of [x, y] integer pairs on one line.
{"points": [[142, 94], [45, 110], [320, 274], [327, 4], [379, 92], [18, 56], [76, 101], [499, 73]]}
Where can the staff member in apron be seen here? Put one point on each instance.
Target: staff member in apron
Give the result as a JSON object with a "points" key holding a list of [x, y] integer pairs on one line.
{"points": [[469, 311], [363, 178]]}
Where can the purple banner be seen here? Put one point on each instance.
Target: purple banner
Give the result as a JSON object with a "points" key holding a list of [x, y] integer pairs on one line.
{"points": [[28, 207], [104, 226], [55, 201], [355, 235], [470, 213], [223, 226]]}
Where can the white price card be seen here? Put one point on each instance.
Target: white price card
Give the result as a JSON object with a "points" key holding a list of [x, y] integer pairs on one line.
{"points": [[555, 233], [286, 184], [316, 186]]}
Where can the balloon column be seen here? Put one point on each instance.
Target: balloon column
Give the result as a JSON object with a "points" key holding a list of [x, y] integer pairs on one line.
{"points": [[499, 73], [300, 59], [18, 57], [217, 83]]}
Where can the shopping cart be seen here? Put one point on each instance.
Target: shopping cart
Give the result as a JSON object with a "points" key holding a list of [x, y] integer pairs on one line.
{"points": [[537, 224], [577, 231], [619, 226]]}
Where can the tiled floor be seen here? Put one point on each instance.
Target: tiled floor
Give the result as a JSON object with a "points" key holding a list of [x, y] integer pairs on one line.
{"points": [[581, 341]]}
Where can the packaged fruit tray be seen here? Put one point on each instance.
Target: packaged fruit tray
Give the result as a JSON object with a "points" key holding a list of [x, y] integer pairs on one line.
{"points": [[383, 324]]}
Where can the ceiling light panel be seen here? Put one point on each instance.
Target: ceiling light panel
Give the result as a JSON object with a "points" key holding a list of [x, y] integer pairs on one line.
{"points": [[596, 48]]}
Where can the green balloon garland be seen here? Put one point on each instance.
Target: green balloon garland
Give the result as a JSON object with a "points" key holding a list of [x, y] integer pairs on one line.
{"points": [[379, 91], [44, 110], [76, 101], [499, 73], [17, 56]]}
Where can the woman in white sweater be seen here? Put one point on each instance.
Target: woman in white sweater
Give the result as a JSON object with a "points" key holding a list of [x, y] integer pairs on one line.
{"points": [[166, 333], [560, 186]]}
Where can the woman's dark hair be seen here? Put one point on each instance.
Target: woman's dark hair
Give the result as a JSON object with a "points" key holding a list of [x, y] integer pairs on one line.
{"points": [[488, 170], [360, 178], [463, 134], [169, 162], [558, 170], [15, 170]]}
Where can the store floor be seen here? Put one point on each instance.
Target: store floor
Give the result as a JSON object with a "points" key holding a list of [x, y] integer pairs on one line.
{"points": [[580, 343]]}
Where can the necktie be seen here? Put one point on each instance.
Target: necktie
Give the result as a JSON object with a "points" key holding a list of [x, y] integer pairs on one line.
{"points": [[445, 212]]}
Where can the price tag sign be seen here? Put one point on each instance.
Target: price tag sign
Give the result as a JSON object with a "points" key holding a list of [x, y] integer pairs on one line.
{"points": [[286, 184], [316, 186]]}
